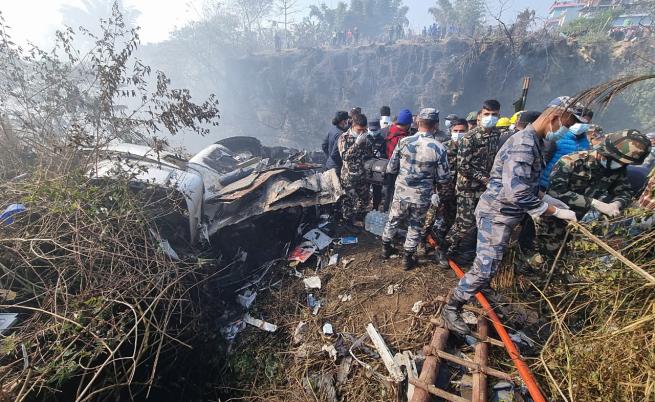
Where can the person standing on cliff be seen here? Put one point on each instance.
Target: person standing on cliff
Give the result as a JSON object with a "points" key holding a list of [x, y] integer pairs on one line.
{"points": [[475, 156], [421, 163], [355, 147], [329, 146], [397, 131]]}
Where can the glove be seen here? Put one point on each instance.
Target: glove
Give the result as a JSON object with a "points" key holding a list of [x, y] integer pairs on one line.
{"points": [[361, 139], [565, 214], [435, 199], [611, 210], [555, 202]]}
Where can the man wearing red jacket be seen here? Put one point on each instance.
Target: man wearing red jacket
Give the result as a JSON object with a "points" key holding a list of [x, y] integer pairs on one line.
{"points": [[396, 132]]}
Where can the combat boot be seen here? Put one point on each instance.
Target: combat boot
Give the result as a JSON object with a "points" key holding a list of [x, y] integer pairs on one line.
{"points": [[409, 260], [387, 250], [452, 316]]}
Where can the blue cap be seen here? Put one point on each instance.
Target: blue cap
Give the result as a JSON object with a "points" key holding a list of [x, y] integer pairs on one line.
{"points": [[404, 117]]}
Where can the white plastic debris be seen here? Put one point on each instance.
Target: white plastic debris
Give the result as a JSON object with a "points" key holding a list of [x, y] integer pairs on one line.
{"points": [[391, 289], [246, 298], [312, 282], [334, 259], [416, 308], [345, 297], [256, 322], [331, 350], [299, 333], [327, 329], [347, 261], [7, 320], [231, 330], [319, 238]]}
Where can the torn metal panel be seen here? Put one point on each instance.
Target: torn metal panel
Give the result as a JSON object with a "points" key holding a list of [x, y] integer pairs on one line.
{"points": [[270, 190]]}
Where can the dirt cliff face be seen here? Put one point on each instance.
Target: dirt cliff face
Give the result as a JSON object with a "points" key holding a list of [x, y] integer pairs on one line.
{"points": [[289, 98]]}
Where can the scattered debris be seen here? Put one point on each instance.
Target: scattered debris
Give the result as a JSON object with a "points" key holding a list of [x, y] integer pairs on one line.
{"points": [[327, 329], [334, 259], [375, 221], [346, 261], [256, 322], [391, 289], [408, 361], [313, 303], [300, 332], [344, 369], [319, 238], [321, 384], [303, 252], [416, 308], [345, 297], [6, 321], [312, 282], [246, 298], [7, 295], [331, 350], [469, 318], [348, 240], [7, 216], [393, 369]]}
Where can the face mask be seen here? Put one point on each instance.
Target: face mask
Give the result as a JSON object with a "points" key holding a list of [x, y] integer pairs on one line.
{"points": [[512, 127], [579, 128], [456, 136], [556, 135], [374, 133], [613, 165], [447, 123], [488, 121]]}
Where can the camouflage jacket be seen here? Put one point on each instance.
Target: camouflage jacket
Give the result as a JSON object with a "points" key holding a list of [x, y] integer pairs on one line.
{"points": [[421, 163], [353, 156], [514, 180], [475, 157], [578, 178]]}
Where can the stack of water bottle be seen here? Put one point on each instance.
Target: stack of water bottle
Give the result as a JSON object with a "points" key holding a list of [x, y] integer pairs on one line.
{"points": [[375, 221]]}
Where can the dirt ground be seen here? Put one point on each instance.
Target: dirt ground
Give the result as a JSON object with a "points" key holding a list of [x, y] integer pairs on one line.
{"points": [[361, 289]]}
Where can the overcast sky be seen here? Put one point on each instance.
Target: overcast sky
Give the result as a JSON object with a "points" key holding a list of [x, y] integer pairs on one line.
{"points": [[36, 20]]}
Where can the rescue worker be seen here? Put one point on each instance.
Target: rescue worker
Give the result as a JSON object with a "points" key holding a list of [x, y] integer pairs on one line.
{"points": [[574, 140], [513, 190], [523, 119], [329, 146], [354, 148], [421, 163], [475, 156], [397, 131], [472, 120], [441, 217], [385, 117], [594, 179], [449, 120], [378, 145]]}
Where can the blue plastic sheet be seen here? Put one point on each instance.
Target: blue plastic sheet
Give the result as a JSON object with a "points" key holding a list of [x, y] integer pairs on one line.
{"points": [[7, 217]]}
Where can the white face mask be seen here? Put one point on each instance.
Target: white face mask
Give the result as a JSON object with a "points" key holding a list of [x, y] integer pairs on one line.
{"points": [[488, 121], [579, 128], [456, 136], [385, 121], [613, 165], [447, 123]]}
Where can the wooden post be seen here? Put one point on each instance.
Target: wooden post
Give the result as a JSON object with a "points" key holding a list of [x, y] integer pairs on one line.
{"points": [[481, 357], [430, 369]]}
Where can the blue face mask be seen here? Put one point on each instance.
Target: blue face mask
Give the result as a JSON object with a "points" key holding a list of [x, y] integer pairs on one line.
{"points": [[579, 129], [556, 135]]}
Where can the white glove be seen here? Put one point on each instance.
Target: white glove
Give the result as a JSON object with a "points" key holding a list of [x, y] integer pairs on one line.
{"points": [[361, 138], [555, 202], [565, 214], [611, 210], [435, 199]]}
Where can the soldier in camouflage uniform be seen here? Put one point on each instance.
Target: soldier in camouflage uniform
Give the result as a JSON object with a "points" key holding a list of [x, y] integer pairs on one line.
{"points": [[475, 156], [355, 147], [439, 220], [513, 190], [594, 179], [420, 161]]}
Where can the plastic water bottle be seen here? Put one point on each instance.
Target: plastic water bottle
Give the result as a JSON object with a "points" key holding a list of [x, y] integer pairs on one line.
{"points": [[375, 221]]}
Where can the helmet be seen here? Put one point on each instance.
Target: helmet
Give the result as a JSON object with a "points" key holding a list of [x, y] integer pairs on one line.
{"points": [[515, 117], [628, 146], [503, 122]]}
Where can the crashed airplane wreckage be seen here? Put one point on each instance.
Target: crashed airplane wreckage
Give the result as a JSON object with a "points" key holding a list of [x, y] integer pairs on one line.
{"points": [[222, 186]]}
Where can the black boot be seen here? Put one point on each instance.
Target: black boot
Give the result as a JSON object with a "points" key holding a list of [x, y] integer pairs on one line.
{"points": [[440, 259], [452, 316], [409, 260], [387, 250]]}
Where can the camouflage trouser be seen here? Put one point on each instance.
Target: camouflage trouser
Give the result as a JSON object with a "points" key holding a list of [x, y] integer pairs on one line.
{"points": [[415, 215], [493, 237], [356, 198], [465, 218], [439, 219]]}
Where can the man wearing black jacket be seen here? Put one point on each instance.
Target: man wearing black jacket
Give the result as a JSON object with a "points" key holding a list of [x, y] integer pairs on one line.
{"points": [[339, 125]]}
